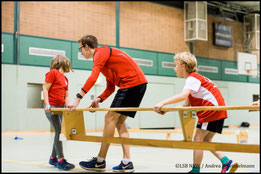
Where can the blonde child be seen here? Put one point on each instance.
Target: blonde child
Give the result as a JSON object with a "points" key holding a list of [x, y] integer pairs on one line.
{"points": [[55, 92], [200, 91]]}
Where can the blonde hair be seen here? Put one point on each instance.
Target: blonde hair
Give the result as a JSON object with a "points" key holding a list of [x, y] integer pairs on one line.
{"points": [[188, 59], [61, 61]]}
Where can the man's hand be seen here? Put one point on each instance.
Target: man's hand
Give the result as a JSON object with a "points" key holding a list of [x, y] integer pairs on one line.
{"points": [[95, 103], [157, 108], [75, 104]]}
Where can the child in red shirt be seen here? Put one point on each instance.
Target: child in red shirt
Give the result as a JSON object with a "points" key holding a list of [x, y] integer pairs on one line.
{"points": [[200, 91], [55, 92]]}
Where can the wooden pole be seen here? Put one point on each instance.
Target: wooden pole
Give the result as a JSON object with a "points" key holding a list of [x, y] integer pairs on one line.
{"points": [[228, 147], [194, 108]]}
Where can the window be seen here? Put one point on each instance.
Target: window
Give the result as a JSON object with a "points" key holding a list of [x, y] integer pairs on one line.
{"points": [[34, 95]]}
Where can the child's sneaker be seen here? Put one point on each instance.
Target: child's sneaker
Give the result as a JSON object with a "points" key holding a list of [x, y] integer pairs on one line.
{"points": [[124, 168], [229, 167], [64, 165], [93, 164], [53, 161]]}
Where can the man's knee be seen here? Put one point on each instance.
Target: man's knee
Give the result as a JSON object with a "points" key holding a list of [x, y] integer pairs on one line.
{"points": [[111, 117], [119, 125], [121, 121]]}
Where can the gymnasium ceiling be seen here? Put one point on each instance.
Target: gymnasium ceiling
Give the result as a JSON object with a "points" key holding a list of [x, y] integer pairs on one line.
{"points": [[226, 9]]}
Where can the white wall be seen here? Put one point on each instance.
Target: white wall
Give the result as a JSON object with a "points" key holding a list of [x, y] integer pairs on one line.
{"points": [[17, 117]]}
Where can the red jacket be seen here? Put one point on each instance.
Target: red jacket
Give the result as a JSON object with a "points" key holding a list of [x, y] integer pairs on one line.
{"points": [[118, 68]]}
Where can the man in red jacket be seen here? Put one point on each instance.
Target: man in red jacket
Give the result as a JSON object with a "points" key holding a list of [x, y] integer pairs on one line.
{"points": [[122, 71]]}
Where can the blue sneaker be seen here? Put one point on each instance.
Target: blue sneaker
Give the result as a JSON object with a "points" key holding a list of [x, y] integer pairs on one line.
{"points": [[229, 167], [64, 165], [93, 164], [53, 161], [124, 168]]}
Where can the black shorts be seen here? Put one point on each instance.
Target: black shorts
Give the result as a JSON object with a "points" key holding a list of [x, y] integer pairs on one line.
{"points": [[129, 97], [213, 126]]}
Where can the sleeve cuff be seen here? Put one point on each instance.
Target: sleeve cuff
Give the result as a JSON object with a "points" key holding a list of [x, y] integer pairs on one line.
{"points": [[84, 91], [101, 99]]}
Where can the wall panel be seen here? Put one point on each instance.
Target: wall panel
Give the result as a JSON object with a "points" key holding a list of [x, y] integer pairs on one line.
{"points": [[166, 64], [7, 48], [209, 68], [147, 60], [40, 51], [227, 72]]}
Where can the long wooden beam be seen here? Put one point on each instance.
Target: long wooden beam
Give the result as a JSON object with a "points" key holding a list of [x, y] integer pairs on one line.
{"points": [[171, 131], [198, 108], [229, 147]]}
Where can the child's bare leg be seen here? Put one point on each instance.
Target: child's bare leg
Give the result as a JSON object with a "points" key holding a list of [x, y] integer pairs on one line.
{"points": [[208, 138], [198, 154]]}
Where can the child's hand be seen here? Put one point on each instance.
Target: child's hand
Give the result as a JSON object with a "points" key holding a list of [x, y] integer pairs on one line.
{"points": [[47, 107], [157, 108], [95, 103], [253, 104]]}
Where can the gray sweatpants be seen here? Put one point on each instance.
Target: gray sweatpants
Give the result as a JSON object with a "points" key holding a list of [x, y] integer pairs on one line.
{"points": [[56, 121]]}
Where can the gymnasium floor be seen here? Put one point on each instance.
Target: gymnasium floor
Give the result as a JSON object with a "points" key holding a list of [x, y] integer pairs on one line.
{"points": [[31, 154]]}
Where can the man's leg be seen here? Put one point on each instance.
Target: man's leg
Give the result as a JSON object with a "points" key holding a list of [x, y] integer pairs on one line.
{"points": [[111, 119], [126, 165], [123, 133]]}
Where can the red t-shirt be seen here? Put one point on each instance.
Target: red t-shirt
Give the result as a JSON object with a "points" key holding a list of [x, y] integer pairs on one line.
{"points": [[205, 93], [118, 68], [58, 88]]}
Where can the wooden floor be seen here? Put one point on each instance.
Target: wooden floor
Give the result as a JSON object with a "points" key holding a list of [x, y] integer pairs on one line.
{"points": [[31, 153]]}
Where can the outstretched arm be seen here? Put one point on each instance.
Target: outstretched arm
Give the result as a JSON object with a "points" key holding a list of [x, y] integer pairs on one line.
{"points": [[175, 99]]}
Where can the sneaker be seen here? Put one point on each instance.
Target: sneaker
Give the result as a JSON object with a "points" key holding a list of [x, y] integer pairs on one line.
{"points": [[53, 161], [93, 164], [64, 165], [229, 167], [124, 168]]}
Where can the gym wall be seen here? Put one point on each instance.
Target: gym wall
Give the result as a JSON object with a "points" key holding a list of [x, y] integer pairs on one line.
{"points": [[7, 16], [69, 20], [143, 25], [150, 32]]}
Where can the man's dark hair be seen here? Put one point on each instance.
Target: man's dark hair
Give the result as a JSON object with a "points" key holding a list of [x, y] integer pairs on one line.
{"points": [[89, 40]]}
